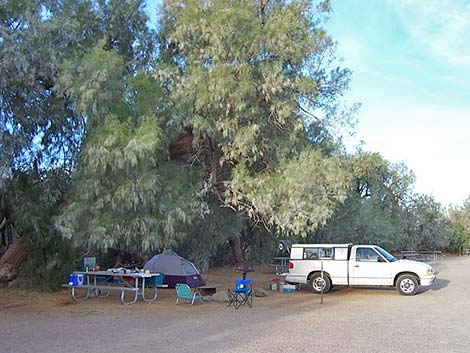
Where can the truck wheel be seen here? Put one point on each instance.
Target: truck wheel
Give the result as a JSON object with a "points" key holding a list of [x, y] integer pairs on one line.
{"points": [[407, 285], [316, 283]]}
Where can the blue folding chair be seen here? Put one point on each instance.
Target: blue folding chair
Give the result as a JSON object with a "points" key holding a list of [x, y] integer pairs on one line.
{"points": [[242, 294]]}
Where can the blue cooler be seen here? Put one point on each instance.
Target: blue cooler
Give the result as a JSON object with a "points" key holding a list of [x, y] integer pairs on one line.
{"points": [[155, 281], [76, 279]]}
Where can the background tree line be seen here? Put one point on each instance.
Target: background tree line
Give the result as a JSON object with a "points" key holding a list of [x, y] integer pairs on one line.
{"points": [[214, 134]]}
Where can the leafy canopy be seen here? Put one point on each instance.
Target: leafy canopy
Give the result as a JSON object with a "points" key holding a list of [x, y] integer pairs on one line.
{"points": [[127, 193], [246, 77]]}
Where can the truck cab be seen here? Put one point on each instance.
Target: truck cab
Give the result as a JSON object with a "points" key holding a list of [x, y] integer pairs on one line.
{"points": [[325, 265]]}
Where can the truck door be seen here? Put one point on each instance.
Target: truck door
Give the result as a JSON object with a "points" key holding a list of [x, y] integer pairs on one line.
{"points": [[369, 268]]}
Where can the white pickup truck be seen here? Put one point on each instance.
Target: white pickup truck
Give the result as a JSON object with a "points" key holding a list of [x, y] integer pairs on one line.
{"points": [[355, 265]]}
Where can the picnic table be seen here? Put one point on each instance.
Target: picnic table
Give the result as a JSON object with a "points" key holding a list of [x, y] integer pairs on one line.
{"points": [[101, 283]]}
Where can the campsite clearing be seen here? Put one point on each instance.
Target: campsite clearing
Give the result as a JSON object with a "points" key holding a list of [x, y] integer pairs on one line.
{"points": [[350, 320]]}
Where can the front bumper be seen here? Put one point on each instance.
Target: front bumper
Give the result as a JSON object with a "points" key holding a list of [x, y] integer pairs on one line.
{"points": [[427, 280]]}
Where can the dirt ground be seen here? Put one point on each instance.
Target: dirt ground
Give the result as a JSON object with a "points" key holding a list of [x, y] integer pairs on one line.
{"points": [[349, 320]]}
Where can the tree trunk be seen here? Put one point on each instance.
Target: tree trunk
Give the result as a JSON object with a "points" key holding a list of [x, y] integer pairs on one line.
{"points": [[15, 254], [237, 250], [11, 261]]}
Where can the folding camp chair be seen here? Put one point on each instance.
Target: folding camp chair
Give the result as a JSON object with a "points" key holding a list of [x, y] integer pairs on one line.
{"points": [[242, 294], [184, 292]]}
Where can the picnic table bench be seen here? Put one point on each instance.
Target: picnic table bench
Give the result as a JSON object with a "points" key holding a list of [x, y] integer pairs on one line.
{"points": [[408, 254], [101, 283], [422, 255], [430, 255]]}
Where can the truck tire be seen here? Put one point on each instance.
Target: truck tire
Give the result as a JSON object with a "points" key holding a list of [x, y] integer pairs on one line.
{"points": [[407, 284], [316, 283]]}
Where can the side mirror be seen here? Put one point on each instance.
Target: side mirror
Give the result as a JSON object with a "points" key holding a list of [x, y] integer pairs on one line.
{"points": [[380, 259]]}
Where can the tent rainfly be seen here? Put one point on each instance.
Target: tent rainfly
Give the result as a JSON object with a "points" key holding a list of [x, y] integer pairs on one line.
{"points": [[175, 268]]}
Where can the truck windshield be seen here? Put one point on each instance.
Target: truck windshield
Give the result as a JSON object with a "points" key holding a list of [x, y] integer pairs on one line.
{"points": [[386, 254]]}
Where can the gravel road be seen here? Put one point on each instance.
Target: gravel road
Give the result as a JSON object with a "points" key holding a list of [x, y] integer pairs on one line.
{"points": [[349, 320]]}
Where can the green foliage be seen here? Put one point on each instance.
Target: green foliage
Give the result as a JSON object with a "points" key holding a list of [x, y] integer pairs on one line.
{"points": [[427, 225], [367, 170], [211, 238], [209, 235], [34, 200], [49, 256], [125, 30], [147, 95], [375, 177], [258, 244], [91, 82], [50, 259], [45, 47], [359, 221], [127, 194], [381, 208], [460, 222], [245, 78], [38, 123], [301, 193]]}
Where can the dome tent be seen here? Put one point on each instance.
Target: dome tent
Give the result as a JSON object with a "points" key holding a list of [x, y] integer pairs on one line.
{"points": [[175, 268]]}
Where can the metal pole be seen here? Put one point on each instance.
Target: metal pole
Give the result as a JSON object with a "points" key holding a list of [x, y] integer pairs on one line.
{"points": [[322, 283]]}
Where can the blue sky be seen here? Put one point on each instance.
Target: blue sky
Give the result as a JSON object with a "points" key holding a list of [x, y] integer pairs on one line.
{"points": [[411, 72]]}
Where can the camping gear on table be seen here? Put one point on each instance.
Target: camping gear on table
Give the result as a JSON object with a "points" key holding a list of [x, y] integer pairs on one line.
{"points": [[175, 268]]}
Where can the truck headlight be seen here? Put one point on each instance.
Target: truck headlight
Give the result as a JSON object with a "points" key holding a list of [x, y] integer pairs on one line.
{"points": [[429, 271]]}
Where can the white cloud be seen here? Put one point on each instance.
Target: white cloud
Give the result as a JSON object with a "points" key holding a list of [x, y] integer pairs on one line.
{"points": [[433, 143], [410, 60], [352, 49], [441, 27]]}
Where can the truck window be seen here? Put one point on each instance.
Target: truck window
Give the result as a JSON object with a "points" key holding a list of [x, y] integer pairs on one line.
{"points": [[318, 253], [296, 253], [311, 254], [326, 253], [386, 254], [366, 255], [341, 253]]}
